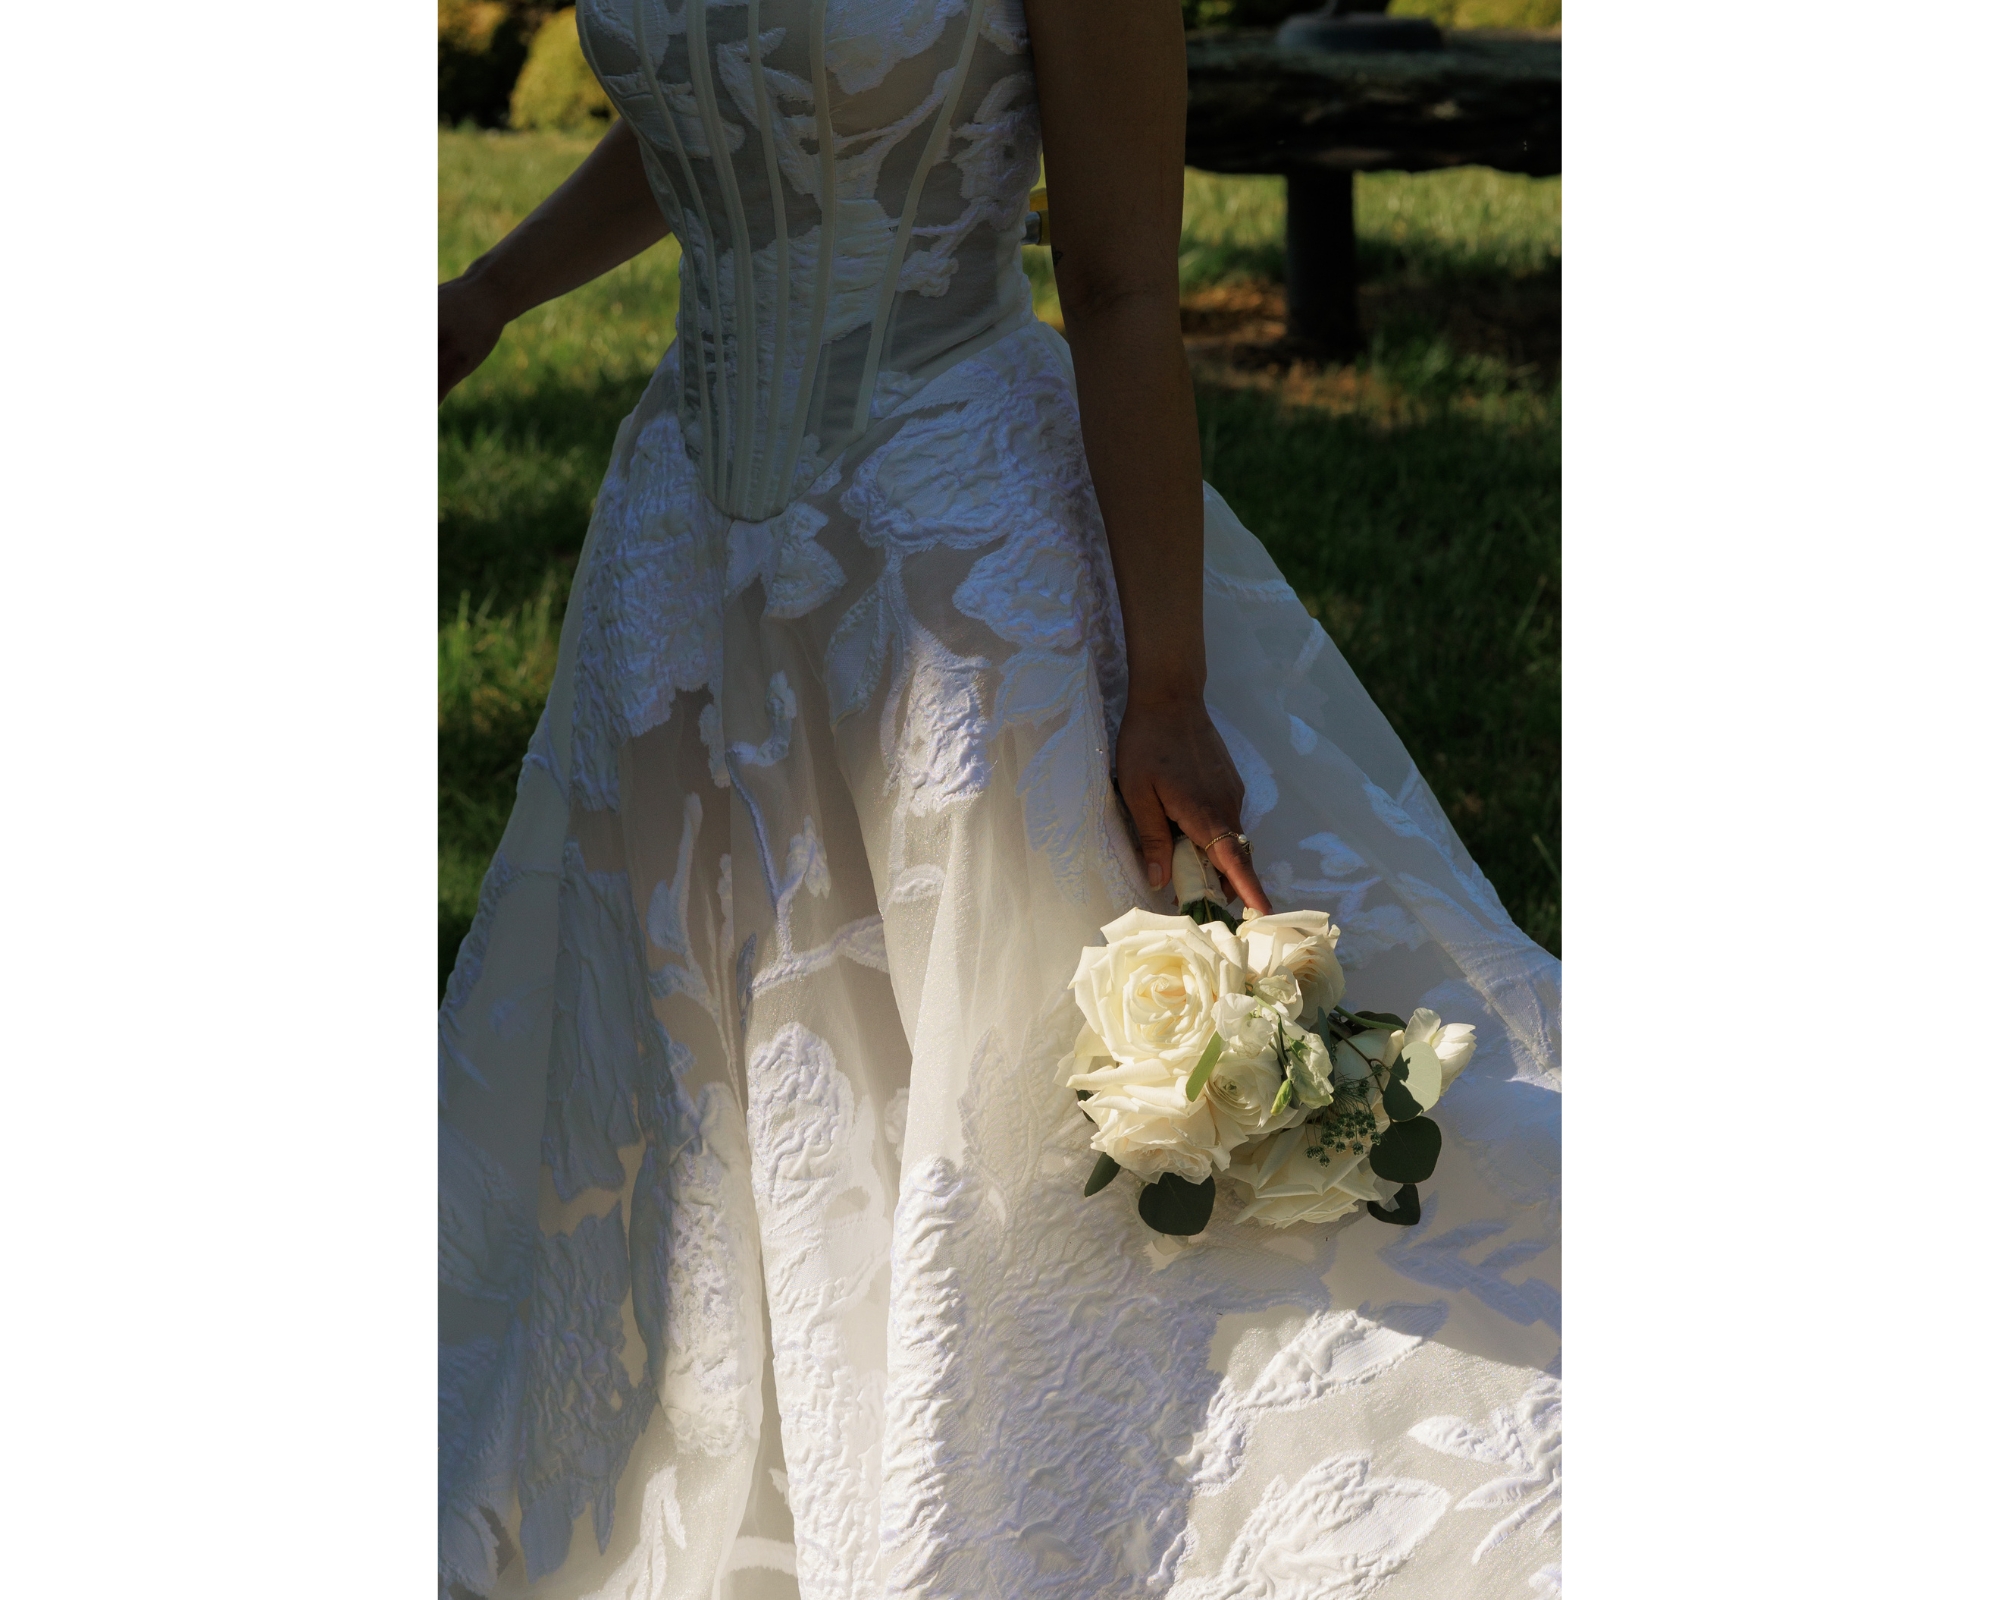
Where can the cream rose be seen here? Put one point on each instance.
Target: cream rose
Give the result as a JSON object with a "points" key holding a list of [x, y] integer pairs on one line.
{"points": [[1299, 945], [1148, 998], [1149, 994], [1298, 1175]]}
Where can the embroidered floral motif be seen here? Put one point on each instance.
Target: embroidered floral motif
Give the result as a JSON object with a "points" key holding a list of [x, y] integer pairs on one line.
{"points": [[1339, 1533], [1524, 1439], [825, 1261]]}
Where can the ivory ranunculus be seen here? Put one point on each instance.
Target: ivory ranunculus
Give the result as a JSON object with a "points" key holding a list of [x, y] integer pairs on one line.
{"points": [[1149, 994], [1301, 944], [1247, 1076], [1298, 1176], [1248, 1026]]}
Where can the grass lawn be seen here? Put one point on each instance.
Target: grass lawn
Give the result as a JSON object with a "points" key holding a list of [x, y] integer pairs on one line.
{"points": [[1413, 499]]}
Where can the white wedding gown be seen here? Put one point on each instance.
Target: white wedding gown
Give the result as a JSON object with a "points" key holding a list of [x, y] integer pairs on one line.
{"points": [[765, 1264]]}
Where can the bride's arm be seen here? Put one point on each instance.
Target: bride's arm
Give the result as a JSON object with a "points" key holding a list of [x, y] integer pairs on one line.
{"points": [[603, 214], [1112, 78]]}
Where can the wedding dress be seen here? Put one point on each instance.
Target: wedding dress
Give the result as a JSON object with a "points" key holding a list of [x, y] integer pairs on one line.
{"points": [[765, 1264]]}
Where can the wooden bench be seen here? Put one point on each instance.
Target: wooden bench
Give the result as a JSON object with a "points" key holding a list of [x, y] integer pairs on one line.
{"points": [[1486, 99]]}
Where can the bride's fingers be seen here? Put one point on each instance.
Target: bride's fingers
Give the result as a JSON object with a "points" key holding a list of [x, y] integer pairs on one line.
{"points": [[1214, 833], [1156, 836], [1232, 861]]}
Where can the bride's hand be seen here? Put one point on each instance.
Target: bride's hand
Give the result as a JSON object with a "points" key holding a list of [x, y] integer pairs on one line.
{"points": [[470, 322], [1174, 768]]}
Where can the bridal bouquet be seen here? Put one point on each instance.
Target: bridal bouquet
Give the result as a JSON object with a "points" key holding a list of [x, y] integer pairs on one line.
{"points": [[1213, 1047]]}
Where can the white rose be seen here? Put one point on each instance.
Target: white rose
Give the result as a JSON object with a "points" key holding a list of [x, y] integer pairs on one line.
{"points": [[1299, 943], [1194, 879], [1298, 1175], [1149, 994], [1147, 1124], [1090, 1054]]}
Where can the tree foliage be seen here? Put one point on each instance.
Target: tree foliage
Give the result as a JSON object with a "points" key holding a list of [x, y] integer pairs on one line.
{"points": [[482, 45]]}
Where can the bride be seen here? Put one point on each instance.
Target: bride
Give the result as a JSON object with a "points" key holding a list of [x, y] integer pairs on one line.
{"points": [[905, 638]]}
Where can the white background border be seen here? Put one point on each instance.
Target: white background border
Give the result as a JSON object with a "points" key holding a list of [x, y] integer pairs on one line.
{"points": [[219, 973]]}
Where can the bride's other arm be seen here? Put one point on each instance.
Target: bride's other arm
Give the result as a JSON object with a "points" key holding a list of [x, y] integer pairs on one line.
{"points": [[602, 215], [1112, 78]]}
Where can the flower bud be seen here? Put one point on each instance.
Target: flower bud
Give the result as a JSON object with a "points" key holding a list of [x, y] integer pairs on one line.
{"points": [[1192, 878]]}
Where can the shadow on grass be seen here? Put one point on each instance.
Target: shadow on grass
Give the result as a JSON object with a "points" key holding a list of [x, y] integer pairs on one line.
{"points": [[1452, 321]]}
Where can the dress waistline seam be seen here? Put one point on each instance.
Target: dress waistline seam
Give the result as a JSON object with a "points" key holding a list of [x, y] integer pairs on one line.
{"points": [[1005, 326]]}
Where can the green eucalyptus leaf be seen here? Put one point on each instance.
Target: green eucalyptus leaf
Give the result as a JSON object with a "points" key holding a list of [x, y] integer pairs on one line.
{"points": [[1408, 1212], [1209, 911], [1101, 1174], [1423, 1073], [1198, 1079], [1382, 1019], [1408, 1151], [1399, 1102], [1170, 1204]]}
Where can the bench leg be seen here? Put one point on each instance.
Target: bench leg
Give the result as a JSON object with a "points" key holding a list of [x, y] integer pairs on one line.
{"points": [[1320, 308]]}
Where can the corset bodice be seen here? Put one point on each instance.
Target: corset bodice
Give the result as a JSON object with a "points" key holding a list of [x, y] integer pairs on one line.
{"points": [[848, 180]]}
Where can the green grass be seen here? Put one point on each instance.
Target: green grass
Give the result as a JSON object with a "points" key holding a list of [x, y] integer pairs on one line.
{"points": [[1413, 500], [1430, 551]]}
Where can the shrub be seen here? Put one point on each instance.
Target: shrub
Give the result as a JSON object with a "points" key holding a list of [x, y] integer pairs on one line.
{"points": [[481, 45], [556, 88]]}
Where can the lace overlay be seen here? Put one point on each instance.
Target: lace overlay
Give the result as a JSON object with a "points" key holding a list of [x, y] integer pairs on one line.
{"points": [[764, 1268]]}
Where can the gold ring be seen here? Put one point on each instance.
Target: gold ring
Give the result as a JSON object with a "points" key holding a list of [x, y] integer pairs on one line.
{"points": [[1242, 839]]}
